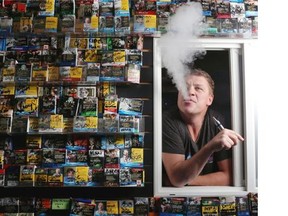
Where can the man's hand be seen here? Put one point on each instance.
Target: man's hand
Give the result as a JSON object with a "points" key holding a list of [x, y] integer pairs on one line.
{"points": [[225, 139]]}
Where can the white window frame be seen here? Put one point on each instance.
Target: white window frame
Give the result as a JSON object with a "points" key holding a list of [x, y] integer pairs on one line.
{"points": [[242, 114]]}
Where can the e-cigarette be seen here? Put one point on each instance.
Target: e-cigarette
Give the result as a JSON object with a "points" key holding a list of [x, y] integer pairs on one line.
{"points": [[218, 124]]}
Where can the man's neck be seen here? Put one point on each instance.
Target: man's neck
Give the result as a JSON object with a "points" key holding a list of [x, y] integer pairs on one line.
{"points": [[194, 125]]}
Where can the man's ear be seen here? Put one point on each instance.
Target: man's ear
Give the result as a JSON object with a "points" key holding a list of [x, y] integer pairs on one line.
{"points": [[210, 100]]}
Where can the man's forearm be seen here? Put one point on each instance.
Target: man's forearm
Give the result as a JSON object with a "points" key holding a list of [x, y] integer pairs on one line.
{"points": [[213, 179], [187, 170]]}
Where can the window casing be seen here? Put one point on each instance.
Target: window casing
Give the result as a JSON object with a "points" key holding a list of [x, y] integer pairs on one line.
{"points": [[243, 120]]}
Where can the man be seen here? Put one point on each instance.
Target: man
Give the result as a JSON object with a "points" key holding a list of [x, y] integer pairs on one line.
{"points": [[101, 210], [194, 150], [125, 157], [69, 178]]}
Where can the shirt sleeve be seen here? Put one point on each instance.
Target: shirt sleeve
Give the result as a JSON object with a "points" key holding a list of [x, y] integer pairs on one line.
{"points": [[172, 141]]}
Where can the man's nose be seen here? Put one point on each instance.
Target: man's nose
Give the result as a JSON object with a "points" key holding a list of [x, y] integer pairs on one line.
{"points": [[191, 90]]}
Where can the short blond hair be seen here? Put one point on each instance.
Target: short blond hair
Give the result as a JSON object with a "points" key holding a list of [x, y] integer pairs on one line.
{"points": [[200, 72]]}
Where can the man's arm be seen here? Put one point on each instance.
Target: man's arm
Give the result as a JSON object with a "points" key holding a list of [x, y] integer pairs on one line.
{"points": [[182, 172], [224, 177]]}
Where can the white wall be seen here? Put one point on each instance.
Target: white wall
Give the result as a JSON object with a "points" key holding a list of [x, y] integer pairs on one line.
{"points": [[271, 66]]}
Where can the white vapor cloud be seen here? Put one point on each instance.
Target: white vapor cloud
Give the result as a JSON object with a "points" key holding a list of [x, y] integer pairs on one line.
{"points": [[186, 25]]}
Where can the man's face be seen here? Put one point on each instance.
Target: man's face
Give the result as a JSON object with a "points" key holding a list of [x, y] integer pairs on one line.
{"points": [[140, 20], [199, 98], [125, 153]]}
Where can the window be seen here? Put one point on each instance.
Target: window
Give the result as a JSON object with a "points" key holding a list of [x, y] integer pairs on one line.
{"points": [[238, 108]]}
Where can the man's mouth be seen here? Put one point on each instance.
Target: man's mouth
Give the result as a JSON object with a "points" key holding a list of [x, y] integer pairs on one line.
{"points": [[189, 101]]}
